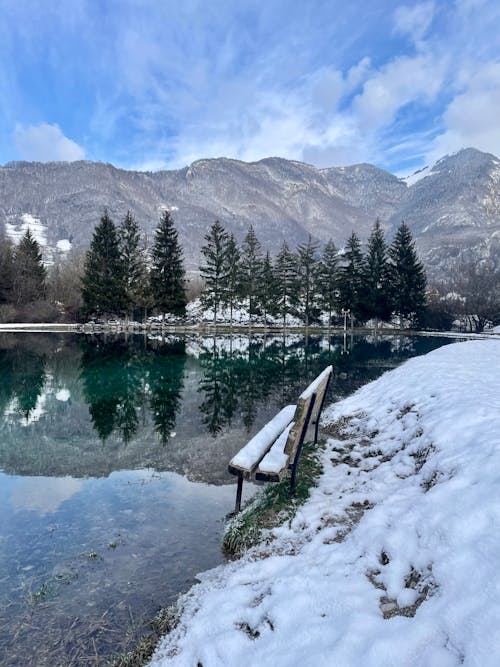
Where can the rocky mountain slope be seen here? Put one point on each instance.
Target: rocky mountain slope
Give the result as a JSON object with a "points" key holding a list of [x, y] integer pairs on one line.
{"points": [[451, 207]]}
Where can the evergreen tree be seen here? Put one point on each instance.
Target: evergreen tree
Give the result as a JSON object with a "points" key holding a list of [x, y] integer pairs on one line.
{"points": [[307, 264], [167, 270], [406, 276], [375, 293], [215, 270], [233, 274], [327, 280], [286, 281], [103, 281], [251, 270], [134, 265], [267, 288], [29, 272], [6, 270], [350, 275]]}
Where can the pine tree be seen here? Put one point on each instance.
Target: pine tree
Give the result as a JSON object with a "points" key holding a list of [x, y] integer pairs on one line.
{"points": [[215, 270], [167, 269], [350, 275], [134, 265], [267, 288], [233, 274], [375, 294], [307, 264], [251, 270], [406, 276], [103, 290], [327, 280], [286, 281], [29, 272]]}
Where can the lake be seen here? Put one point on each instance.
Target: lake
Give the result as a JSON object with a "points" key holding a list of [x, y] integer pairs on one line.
{"points": [[113, 470]]}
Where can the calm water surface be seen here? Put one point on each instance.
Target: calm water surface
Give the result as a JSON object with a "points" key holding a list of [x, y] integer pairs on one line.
{"points": [[113, 482]]}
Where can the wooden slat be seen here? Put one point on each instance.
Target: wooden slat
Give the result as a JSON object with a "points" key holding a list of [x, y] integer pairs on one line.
{"points": [[320, 395], [260, 444]]}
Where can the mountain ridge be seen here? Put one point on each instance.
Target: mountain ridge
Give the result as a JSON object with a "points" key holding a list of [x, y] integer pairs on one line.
{"points": [[452, 207]]}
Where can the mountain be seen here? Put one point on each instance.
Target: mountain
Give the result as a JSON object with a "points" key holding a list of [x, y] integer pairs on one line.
{"points": [[450, 207]]}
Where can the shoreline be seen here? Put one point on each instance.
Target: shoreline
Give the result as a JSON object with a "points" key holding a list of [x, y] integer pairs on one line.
{"points": [[202, 328]]}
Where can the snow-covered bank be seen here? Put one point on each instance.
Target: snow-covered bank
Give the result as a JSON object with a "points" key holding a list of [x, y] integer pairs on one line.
{"points": [[394, 558]]}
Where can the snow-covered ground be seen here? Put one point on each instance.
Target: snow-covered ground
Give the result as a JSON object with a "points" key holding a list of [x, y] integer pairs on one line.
{"points": [[393, 560]]}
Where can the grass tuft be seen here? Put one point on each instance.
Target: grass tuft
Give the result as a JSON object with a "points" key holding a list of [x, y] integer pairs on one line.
{"points": [[272, 506]]}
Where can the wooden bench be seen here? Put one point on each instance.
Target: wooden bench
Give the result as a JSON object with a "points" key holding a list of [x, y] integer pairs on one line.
{"points": [[276, 448]]}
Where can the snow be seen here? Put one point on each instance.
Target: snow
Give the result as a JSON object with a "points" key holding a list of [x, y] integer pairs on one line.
{"points": [[417, 176], [393, 560], [276, 459], [316, 383], [38, 230], [64, 245], [255, 448]]}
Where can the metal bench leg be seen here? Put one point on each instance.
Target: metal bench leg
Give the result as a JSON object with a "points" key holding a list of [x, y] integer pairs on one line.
{"points": [[239, 489]]}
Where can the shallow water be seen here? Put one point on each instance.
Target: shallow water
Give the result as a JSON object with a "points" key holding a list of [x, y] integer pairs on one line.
{"points": [[113, 482]]}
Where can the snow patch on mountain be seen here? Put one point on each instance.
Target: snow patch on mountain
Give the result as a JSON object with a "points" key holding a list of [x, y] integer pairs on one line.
{"points": [[16, 230]]}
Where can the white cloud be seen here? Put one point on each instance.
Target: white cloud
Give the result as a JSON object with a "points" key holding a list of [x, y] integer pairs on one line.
{"points": [[403, 80], [414, 21], [471, 118], [46, 143]]}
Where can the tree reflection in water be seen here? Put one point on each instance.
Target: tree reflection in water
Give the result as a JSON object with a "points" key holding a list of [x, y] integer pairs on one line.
{"points": [[121, 377], [22, 373]]}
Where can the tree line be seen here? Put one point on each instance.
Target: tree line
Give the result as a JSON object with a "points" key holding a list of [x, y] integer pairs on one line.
{"points": [[386, 280], [121, 276]]}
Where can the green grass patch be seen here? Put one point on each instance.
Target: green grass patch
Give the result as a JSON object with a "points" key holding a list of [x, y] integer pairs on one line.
{"points": [[273, 505]]}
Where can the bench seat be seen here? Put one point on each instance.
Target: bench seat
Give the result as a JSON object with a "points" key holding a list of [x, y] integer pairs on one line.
{"points": [[274, 465], [248, 458]]}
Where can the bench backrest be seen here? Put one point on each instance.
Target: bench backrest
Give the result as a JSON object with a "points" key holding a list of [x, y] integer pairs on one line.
{"points": [[319, 386], [307, 412], [301, 421]]}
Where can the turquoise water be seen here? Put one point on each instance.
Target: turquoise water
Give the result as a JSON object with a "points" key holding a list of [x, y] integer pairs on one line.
{"points": [[113, 470]]}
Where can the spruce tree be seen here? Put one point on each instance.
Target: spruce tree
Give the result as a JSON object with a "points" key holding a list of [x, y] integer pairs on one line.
{"points": [[233, 269], [406, 276], [350, 275], [167, 269], [103, 282], [134, 265], [6, 270], [251, 270], [29, 272], [327, 280], [215, 270], [306, 285], [375, 293], [286, 281], [268, 288]]}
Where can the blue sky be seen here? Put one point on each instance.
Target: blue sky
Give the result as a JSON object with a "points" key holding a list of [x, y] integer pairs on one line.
{"points": [[153, 84]]}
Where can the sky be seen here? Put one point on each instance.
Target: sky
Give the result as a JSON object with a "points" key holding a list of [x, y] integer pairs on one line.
{"points": [[157, 84]]}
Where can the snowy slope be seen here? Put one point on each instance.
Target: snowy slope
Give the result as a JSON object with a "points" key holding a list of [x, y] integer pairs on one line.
{"points": [[394, 558]]}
